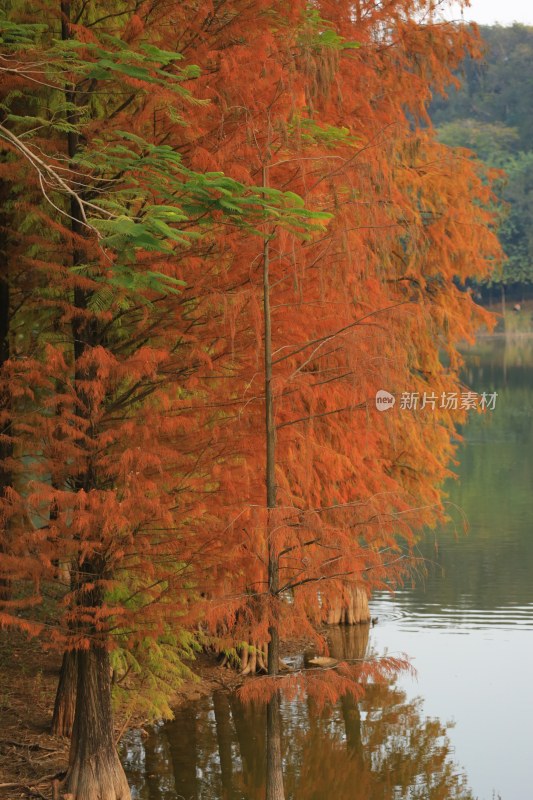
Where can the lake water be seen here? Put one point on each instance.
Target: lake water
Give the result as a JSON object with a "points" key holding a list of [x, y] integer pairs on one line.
{"points": [[463, 727]]}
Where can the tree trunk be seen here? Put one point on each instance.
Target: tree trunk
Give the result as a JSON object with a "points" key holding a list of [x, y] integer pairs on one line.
{"points": [[270, 470], [65, 702], [184, 751], [224, 741], [6, 447], [274, 782], [352, 726], [95, 771], [274, 776], [256, 660], [348, 642], [351, 609], [249, 720]]}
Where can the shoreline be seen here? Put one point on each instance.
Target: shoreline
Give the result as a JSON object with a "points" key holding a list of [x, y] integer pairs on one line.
{"points": [[32, 761], [505, 335]]}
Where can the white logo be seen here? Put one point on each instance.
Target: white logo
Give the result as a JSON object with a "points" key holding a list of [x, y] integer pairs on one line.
{"points": [[384, 400]]}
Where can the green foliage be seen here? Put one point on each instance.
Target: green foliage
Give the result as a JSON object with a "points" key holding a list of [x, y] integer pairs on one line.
{"points": [[491, 114], [493, 142], [14, 34], [311, 131], [498, 89], [317, 34], [146, 678], [135, 195], [162, 197], [516, 231], [146, 64]]}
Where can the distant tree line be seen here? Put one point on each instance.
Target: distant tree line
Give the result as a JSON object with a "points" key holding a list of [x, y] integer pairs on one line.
{"points": [[491, 114]]}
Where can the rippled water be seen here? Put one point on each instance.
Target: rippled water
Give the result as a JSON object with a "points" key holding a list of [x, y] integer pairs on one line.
{"points": [[463, 727]]}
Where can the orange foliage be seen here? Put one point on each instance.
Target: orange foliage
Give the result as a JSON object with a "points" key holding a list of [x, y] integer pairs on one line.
{"points": [[148, 442], [377, 301]]}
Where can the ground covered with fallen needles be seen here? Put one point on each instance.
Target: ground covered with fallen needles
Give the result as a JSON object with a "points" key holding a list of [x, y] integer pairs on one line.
{"points": [[30, 758]]}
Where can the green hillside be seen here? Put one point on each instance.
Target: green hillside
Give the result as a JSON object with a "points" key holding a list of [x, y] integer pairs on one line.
{"points": [[492, 114]]}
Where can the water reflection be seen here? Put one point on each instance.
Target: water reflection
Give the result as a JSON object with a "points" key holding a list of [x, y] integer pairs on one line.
{"points": [[380, 748]]}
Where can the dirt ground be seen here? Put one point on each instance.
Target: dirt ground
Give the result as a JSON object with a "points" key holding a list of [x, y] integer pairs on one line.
{"points": [[30, 759]]}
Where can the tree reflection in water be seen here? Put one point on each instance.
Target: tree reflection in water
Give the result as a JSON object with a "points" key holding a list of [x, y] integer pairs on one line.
{"points": [[380, 748]]}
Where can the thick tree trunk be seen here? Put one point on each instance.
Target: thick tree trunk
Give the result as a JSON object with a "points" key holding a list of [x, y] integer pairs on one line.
{"points": [[254, 661], [95, 771], [274, 776], [65, 702], [348, 642], [352, 609]]}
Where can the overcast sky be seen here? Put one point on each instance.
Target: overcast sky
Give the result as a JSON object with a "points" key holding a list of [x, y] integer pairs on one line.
{"points": [[488, 12]]}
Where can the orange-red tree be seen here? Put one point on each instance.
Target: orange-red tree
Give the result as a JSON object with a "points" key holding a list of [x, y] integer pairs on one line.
{"points": [[111, 517], [330, 102]]}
